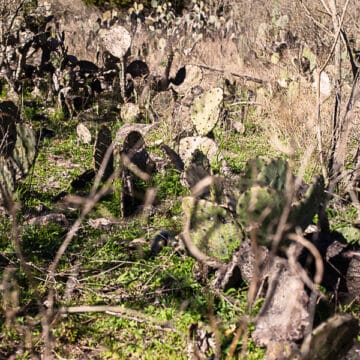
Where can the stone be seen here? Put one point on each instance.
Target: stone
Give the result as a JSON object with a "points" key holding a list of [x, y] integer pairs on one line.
{"points": [[45, 220], [284, 315], [79, 23], [332, 339]]}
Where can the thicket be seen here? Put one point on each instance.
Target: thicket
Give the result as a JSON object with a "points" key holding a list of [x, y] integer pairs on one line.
{"points": [[202, 139]]}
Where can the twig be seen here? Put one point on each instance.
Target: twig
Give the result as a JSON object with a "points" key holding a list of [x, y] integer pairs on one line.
{"points": [[318, 101], [244, 103], [318, 23], [337, 34], [315, 252], [194, 251], [244, 77], [120, 311]]}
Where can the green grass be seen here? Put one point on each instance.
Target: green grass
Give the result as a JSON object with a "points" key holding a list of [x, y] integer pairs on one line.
{"points": [[161, 293]]}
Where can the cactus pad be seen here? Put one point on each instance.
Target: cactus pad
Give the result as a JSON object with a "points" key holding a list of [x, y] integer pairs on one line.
{"points": [[213, 231], [259, 208], [205, 111]]}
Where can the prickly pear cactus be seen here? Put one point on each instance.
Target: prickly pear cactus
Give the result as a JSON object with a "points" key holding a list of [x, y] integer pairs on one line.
{"points": [[263, 197], [187, 78], [264, 172], [303, 212], [257, 204], [213, 231], [205, 111], [103, 142], [16, 164], [8, 114], [207, 146], [259, 209], [25, 150]]}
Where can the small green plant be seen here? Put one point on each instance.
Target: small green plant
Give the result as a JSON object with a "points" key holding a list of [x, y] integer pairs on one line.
{"points": [[40, 243], [3, 89], [168, 184]]}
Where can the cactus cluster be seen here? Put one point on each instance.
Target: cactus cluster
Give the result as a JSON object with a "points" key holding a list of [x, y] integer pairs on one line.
{"points": [[260, 197], [18, 149], [263, 200]]}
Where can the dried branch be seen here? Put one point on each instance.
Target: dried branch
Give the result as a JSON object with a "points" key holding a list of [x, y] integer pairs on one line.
{"points": [[318, 77], [244, 77], [120, 311]]}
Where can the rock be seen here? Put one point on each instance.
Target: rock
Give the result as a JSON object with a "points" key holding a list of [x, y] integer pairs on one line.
{"points": [[282, 350], [284, 315], [79, 23], [246, 259], [100, 223], [332, 339]]}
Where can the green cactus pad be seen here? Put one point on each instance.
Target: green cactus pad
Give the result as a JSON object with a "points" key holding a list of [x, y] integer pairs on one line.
{"points": [[205, 111], [260, 208], [25, 150], [264, 172], [207, 146], [18, 163], [302, 213], [213, 231]]}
